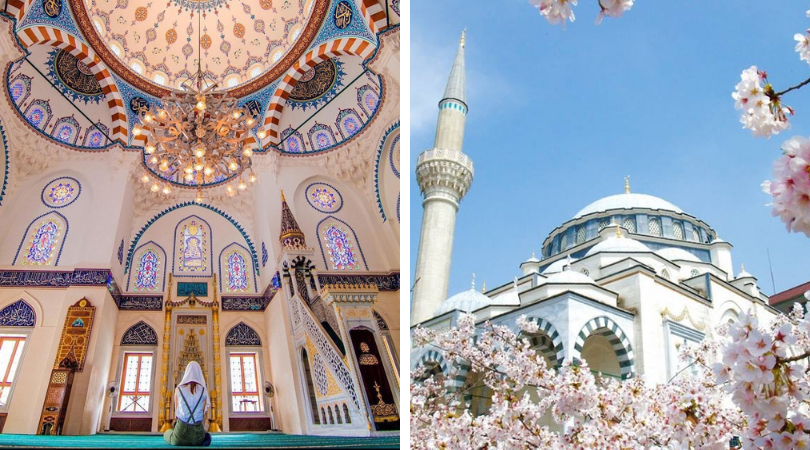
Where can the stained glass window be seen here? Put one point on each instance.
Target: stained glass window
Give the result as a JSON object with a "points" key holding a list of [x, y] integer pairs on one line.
{"points": [[61, 193], [146, 278], [35, 116], [244, 383], [41, 248], [64, 133], [11, 348], [136, 383], [340, 248], [237, 272], [193, 247]]}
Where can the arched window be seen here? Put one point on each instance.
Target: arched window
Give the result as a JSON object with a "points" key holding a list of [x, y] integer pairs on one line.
{"points": [[331, 417], [677, 231], [242, 335], [140, 334], [43, 242], [603, 224], [348, 122], [695, 272], [564, 242], [665, 274], [581, 235], [192, 247], [346, 414], [337, 415], [655, 227], [629, 224], [695, 234], [313, 402], [149, 272], [339, 244], [236, 269]]}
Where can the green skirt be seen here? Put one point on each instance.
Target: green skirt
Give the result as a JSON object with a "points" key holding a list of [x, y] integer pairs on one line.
{"points": [[185, 434]]}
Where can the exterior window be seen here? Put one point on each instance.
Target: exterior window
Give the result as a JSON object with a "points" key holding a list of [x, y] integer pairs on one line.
{"points": [[665, 274], [244, 383], [136, 383], [695, 235], [655, 227], [677, 231], [11, 348], [695, 272], [564, 242], [581, 235], [630, 224], [602, 225]]}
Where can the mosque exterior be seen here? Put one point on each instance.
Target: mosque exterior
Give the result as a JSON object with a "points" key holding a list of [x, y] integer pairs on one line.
{"points": [[625, 284], [286, 292]]}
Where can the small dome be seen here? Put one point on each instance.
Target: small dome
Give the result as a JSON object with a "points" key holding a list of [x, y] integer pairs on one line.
{"points": [[677, 254], [743, 273], [618, 245], [569, 276], [557, 266], [627, 201], [467, 301]]}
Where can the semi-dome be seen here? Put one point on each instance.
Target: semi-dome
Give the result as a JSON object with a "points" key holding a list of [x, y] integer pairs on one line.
{"points": [[467, 301], [677, 254], [557, 266], [618, 245], [569, 276], [627, 201]]}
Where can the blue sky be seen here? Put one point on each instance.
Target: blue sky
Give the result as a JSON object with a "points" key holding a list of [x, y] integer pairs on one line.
{"points": [[559, 117]]}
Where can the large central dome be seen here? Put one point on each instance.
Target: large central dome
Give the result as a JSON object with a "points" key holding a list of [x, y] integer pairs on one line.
{"points": [[245, 45], [628, 201]]}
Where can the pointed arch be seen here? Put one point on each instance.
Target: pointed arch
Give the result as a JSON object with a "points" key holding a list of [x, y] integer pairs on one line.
{"points": [[38, 113], [45, 35], [430, 363], [606, 327], [348, 123], [150, 269], [43, 241], [66, 130], [239, 273], [336, 47], [18, 314], [140, 334], [389, 144], [368, 99], [242, 334], [192, 247], [554, 352], [342, 245]]}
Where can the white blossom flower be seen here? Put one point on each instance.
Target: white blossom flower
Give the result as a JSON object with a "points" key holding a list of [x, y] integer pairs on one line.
{"points": [[555, 11], [803, 46], [762, 111]]}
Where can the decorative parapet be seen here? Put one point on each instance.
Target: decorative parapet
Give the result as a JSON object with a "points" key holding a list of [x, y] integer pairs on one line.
{"points": [[445, 173], [349, 293]]}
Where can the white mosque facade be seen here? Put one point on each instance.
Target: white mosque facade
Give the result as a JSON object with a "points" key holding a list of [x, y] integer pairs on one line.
{"points": [[624, 285], [286, 293]]}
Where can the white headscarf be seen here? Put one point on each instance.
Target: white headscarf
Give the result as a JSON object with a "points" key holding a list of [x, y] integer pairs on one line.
{"points": [[194, 374]]}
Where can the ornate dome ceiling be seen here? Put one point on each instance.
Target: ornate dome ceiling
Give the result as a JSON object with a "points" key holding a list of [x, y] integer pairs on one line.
{"points": [[154, 45]]}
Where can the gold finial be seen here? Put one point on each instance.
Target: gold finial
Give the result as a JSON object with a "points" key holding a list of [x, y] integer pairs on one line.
{"points": [[627, 184], [473, 282], [463, 37], [742, 267], [618, 231], [282, 195], [484, 287], [533, 257]]}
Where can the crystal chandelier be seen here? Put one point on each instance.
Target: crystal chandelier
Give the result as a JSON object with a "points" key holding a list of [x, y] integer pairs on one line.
{"points": [[198, 138]]}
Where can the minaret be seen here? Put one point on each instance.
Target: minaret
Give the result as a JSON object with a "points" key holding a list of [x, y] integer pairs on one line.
{"points": [[444, 174]]}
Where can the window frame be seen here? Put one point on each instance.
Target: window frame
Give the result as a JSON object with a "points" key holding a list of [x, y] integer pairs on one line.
{"points": [[119, 377], [140, 355], [25, 333], [264, 403]]}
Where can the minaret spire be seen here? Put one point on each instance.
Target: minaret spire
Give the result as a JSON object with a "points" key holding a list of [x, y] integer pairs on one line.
{"points": [[457, 84], [444, 174]]}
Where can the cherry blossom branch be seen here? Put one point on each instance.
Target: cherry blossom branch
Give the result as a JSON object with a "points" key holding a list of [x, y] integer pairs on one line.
{"points": [[793, 88]]}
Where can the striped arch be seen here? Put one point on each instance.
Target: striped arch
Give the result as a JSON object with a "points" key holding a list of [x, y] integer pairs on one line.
{"points": [[429, 360], [44, 35], [18, 8], [548, 339], [337, 47], [606, 327], [373, 13]]}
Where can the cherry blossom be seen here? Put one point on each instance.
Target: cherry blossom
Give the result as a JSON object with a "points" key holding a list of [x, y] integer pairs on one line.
{"points": [[555, 11], [613, 8], [790, 187], [762, 110], [803, 46]]}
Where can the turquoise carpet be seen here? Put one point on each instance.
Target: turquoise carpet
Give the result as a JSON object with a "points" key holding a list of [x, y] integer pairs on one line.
{"points": [[230, 440]]}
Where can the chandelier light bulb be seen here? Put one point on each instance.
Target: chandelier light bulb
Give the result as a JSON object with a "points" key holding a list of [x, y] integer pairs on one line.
{"points": [[199, 152], [229, 189], [155, 187], [252, 178], [136, 130], [153, 160], [201, 105], [189, 177], [198, 167], [242, 185], [166, 189], [233, 166], [208, 170], [247, 151], [189, 170], [250, 122], [236, 114], [150, 149], [262, 134], [162, 113], [148, 117], [145, 178], [199, 197]]}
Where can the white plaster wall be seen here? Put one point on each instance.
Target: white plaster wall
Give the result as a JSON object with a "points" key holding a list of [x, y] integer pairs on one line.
{"points": [[290, 400]]}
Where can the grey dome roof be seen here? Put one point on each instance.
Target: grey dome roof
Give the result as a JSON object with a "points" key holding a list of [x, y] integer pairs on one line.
{"points": [[673, 254], [627, 201], [619, 245], [467, 301], [557, 266], [570, 277]]}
